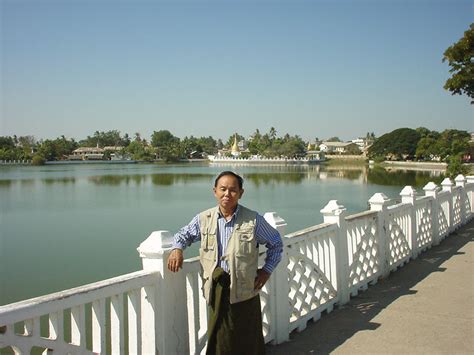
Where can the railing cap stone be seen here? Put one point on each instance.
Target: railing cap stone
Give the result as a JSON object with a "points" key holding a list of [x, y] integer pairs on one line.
{"points": [[274, 219], [447, 182], [431, 186], [333, 208], [379, 198], [156, 243], [460, 178], [378, 202], [408, 191]]}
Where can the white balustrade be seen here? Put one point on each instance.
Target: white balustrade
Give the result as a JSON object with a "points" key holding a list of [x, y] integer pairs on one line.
{"points": [[66, 329], [363, 250], [333, 213], [424, 226], [311, 259], [379, 203], [156, 311], [436, 221], [280, 312], [398, 224], [469, 189]]}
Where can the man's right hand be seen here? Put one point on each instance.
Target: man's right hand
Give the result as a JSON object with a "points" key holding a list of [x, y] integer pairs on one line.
{"points": [[175, 260]]}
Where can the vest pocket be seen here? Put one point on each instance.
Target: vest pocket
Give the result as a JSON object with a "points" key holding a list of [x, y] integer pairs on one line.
{"points": [[207, 267], [247, 243], [208, 241], [246, 282], [207, 256]]}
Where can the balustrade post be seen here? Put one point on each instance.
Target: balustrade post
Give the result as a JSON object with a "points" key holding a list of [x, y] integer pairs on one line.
{"points": [[408, 195], [379, 202], [431, 189], [460, 181], [163, 314], [280, 307], [470, 193], [335, 214], [447, 185]]}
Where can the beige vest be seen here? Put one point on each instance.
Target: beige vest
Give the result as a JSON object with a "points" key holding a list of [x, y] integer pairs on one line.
{"points": [[241, 253]]}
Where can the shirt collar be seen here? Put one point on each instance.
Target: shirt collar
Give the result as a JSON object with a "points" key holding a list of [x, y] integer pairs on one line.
{"points": [[236, 212]]}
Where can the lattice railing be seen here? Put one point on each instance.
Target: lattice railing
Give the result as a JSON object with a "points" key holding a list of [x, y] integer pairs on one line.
{"points": [[267, 307], [311, 273], [456, 207], [424, 223], [466, 204], [90, 319], [443, 214], [363, 249], [469, 192], [398, 229], [196, 307], [267, 313]]}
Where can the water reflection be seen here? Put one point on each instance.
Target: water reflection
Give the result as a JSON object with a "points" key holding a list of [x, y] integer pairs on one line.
{"points": [[156, 179], [257, 175], [27, 182], [171, 179], [115, 180], [5, 183], [344, 172], [268, 178], [381, 176], [10, 182], [62, 180]]}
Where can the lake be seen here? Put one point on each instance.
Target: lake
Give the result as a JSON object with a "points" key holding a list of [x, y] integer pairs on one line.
{"points": [[67, 225]]}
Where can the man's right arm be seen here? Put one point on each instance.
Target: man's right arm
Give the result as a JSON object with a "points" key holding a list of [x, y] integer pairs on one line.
{"points": [[184, 238]]}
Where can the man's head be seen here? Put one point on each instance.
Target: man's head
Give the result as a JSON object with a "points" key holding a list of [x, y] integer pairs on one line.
{"points": [[228, 189]]}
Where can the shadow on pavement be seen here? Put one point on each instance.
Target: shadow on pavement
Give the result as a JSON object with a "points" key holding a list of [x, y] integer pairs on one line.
{"points": [[333, 329]]}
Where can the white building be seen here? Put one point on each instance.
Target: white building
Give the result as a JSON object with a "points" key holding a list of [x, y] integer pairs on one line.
{"points": [[334, 147], [360, 142], [93, 153]]}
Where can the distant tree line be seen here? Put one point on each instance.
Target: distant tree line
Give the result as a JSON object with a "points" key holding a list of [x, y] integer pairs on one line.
{"points": [[270, 145], [421, 144], [451, 146], [162, 145]]}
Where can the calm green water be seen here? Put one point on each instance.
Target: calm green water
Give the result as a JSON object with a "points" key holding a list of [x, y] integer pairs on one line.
{"points": [[67, 225]]}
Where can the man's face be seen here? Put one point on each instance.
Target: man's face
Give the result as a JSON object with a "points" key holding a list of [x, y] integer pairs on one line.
{"points": [[227, 192]]}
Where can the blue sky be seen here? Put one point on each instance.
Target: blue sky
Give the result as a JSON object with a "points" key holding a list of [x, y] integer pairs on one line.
{"points": [[312, 68]]}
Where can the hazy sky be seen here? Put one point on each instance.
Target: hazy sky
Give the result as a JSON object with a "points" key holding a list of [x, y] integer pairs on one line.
{"points": [[312, 68]]}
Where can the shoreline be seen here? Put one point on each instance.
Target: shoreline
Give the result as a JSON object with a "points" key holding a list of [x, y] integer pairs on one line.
{"points": [[415, 165], [82, 162], [330, 163]]}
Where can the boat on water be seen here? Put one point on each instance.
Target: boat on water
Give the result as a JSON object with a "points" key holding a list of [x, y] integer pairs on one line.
{"points": [[235, 157], [313, 159]]}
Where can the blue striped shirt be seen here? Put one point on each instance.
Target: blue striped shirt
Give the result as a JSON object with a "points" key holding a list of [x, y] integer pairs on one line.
{"points": [[265, 234]]}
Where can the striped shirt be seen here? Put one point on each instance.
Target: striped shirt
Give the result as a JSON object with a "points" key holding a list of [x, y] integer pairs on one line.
{"points": [[265, 234]]}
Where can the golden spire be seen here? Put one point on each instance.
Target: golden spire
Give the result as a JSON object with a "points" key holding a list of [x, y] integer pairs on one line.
{"points": [[235, 147]]}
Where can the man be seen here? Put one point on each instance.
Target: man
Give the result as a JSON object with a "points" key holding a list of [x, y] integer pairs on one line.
{"points": [[230, 235]]}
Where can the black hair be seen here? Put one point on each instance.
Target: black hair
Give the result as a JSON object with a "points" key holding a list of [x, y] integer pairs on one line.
{"points": [[240, 181]]}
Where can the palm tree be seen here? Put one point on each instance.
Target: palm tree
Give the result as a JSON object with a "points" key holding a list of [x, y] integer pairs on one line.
{"points": [[272, 133]]}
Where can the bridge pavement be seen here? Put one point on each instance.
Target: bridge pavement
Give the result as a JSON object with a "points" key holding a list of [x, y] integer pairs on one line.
{"points": [[426, 307]]}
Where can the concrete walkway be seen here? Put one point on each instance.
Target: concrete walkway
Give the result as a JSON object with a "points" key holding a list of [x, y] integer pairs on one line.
{"points": [[426, 307]]}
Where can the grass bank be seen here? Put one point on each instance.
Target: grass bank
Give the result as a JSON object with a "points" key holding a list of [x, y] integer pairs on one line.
{"points": [[349, 161]]}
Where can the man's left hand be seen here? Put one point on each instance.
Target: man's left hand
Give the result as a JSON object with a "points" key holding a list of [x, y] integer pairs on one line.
{"points": [[261, 279]]}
